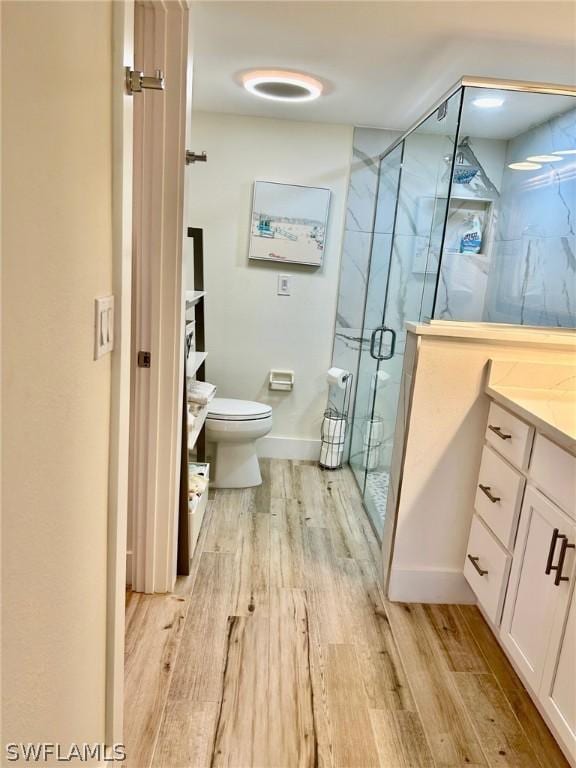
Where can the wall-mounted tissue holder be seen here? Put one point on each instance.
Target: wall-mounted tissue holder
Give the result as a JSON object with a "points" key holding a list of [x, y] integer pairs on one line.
{"points": [[281, 380]]}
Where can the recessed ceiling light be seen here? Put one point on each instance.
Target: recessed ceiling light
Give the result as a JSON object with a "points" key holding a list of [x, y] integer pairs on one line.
{"points": [[524, 166], [544, 158], [564, 152], [488, 102], [279, 85]]}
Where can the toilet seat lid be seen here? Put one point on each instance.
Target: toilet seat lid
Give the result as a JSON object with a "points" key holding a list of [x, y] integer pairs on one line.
{"points": [[229, 409]]}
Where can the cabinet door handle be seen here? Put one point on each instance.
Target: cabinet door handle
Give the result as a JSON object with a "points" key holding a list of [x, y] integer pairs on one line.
{"points": [[555, 536], [474, 561], [560, 567], [498, 431], [486, 491]]}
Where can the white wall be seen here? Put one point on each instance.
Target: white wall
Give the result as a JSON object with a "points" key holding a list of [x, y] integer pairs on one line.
{"points": [[249, 329], [57, 257]]}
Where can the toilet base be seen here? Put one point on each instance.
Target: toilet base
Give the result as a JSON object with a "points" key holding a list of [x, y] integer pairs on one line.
{"points": [[236, 465]]}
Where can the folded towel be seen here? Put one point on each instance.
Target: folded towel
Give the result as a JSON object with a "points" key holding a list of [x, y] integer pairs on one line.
{"points": [[200, 392], [196, 485]]}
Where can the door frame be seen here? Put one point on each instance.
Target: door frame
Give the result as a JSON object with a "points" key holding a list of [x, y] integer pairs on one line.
{"points": [[122, 143]]}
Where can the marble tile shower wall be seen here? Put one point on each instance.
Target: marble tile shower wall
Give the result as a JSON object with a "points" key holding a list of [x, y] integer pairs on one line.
{"points": [[533, 279]]}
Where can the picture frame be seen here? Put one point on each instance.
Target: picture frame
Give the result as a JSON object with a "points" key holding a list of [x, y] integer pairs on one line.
{"points": [[288, 223]]}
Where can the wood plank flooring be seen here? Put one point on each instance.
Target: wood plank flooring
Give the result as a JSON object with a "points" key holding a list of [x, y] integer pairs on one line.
{"points": [[280, 652]]}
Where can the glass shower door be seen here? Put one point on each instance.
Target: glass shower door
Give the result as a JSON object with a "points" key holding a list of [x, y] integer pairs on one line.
{"points": [[366, 433], [401, 287]]}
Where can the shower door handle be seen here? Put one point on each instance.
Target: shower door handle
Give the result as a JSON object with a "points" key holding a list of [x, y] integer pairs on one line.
{"points": [[382, 329], [392, 343]]}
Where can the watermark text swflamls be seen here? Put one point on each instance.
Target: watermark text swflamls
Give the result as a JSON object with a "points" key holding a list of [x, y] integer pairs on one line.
{"points": [[41, 752]]}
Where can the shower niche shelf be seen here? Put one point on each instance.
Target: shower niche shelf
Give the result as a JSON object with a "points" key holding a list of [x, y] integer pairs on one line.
{"points": [[431, 216], [459, 207]]}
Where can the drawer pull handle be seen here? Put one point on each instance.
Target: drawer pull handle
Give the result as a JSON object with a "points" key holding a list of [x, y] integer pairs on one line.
{"points": [[555, 536], [498, 431], [486, 491], [560, 567], [474, 561]]}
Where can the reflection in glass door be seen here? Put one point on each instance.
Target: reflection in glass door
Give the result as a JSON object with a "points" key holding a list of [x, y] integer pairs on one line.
{"points": [[412, 198]]}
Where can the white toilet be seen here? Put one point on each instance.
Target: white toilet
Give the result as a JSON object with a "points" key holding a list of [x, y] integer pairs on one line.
{"points": [[233, 426]]}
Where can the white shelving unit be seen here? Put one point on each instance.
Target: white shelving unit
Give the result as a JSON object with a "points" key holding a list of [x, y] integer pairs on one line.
{"points": [[195, 428], [193, 362], [193, 452], [193, 297]]}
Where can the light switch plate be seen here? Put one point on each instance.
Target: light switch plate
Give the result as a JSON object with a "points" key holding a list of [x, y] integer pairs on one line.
{"points": [[283, 285], [103, 326]]}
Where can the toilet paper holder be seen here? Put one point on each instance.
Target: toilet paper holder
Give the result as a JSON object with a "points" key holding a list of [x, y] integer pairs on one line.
{"points": [[334, 428], [281, 380]]}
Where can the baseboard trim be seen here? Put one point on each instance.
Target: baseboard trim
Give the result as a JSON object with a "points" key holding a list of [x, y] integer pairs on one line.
{"points": [[429, 586], [128, 569], [272, 447]]}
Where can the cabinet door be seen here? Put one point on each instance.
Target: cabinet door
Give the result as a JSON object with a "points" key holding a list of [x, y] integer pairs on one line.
{"points": [[558, 690], [533, 597]]}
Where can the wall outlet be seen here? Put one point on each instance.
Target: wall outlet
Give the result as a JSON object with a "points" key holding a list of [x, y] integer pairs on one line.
{"points": [[283, 285], [103, 326]]}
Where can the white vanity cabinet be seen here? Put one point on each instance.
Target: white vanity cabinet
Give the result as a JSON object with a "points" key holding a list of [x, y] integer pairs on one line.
{"points": [[537, 592], [521, 561], [558, 687]]}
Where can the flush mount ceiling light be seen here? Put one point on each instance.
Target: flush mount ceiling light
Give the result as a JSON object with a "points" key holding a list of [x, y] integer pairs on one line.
{"points": [[544, 159], [488, 102], [524, 166], [279, 85], [564, 152]]}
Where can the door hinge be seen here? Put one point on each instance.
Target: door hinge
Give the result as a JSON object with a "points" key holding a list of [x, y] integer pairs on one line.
{"points": [[194, 157], [137, 81], [442, 111], [143, 359]]}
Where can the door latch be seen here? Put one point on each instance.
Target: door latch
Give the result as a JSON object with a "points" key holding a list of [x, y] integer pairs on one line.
{"points": [[194, 157], [144, 359], [137, 81]]}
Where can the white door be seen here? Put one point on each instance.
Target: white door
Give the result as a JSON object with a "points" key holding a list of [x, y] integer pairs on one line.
{"points": [[535, 594], [558, 690], [160, 42]]}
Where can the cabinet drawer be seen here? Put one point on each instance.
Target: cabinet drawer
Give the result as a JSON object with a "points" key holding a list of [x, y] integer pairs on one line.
{"points": [[486, 569], [509, 436], [553, 470], [499, 496]]}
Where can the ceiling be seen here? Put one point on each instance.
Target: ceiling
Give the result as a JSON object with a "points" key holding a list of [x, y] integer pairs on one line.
{"points": [[383, 63]]}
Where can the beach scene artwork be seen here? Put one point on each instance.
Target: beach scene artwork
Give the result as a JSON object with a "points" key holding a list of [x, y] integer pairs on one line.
{"points": [[289, 223]]}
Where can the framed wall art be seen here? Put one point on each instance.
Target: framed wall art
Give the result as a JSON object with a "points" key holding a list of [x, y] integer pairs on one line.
{"points": [[289, 223]]}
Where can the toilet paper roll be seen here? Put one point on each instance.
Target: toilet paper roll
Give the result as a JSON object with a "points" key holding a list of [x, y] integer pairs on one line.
{"points": [[337, 376], [331, 456], [333, 430]]}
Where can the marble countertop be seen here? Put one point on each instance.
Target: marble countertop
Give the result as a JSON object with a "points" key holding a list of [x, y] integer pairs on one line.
{"points": [[543, 394], [560, 338]]}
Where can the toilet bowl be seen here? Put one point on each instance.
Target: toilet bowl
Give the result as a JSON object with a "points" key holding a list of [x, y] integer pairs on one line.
{"points": [[233, 426]]}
